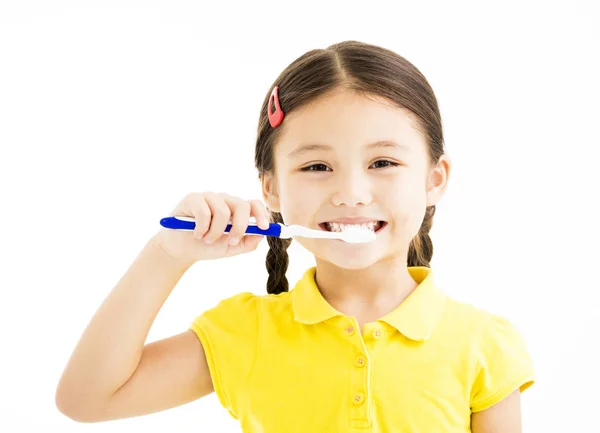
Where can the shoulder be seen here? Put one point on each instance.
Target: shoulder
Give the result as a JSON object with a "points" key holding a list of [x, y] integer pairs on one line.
{"points": [[464, 318], [479, 322], [244, 306], [482, 333], [240, 304]]}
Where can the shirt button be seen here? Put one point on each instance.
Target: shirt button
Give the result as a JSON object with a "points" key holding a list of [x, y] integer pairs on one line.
{"points": [[361, 361], [350, 330], [358, 398], [376, 333]]}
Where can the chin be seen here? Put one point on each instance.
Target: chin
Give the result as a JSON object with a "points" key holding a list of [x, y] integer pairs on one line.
{"points": [[350, 263], [344, 256]]}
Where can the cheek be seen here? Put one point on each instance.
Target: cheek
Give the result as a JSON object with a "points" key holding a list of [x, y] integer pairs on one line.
{"points": [[403, 197], [298, 202], [407, 208]]}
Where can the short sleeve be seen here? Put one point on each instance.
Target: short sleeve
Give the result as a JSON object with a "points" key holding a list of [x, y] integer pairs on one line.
{"points": [[229, 334], [502, 363]]}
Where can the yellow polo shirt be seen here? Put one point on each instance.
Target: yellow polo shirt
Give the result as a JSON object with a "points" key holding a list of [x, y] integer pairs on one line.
{"points": [[292, 363]]}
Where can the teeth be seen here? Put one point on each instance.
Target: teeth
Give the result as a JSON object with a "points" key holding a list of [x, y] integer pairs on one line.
{"points": [[335, 227]]}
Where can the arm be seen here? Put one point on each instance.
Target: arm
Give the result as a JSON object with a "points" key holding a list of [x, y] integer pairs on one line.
{"points": [[112, 373], [503, 417]]}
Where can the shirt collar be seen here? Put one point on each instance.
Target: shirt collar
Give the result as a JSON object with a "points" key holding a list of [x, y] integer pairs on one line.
{"points": [[416, 317]]}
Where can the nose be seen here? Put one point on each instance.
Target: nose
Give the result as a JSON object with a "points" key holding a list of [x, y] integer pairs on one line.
{"points": [[352, 189]]}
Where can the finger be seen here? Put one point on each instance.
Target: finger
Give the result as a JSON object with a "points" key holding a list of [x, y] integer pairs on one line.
{"points": [[220, 214], [239, 219], [260, 213], [202, 215]]}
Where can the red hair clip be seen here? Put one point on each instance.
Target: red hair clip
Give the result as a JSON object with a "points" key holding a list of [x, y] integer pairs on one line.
{"points": [[275, 118]]}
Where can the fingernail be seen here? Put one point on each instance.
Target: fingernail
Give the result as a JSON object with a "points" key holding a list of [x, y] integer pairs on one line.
{"points": [[233, 241], [208, 241]]}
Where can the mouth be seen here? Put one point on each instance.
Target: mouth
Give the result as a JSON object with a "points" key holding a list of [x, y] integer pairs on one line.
{"points": [[338, 227]]}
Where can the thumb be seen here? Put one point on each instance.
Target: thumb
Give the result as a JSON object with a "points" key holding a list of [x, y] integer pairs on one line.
{"points": [[247, 243]]}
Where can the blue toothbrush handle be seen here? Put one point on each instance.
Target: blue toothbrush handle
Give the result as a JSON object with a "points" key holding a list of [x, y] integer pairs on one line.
{"points": [[180, 224]]}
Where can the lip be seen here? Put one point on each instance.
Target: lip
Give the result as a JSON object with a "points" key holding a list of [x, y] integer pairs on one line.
{"points": [[352, 220]]}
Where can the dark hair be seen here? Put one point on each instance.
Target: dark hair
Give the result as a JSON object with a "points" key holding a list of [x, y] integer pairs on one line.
{"points": [[369, 70]]}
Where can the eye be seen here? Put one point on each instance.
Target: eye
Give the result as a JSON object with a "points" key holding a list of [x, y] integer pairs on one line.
{"points": [[383, 163], [315, 167]]}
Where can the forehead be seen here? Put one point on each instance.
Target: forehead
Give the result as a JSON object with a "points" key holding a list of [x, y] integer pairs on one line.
{"points": [[346, 118]]}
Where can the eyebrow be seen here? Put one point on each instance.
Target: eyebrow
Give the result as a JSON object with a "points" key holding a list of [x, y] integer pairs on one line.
{"points": [[312, 147]]}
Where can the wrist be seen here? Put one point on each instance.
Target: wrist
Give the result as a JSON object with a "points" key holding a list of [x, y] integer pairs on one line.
{"points": [[163, 257]]}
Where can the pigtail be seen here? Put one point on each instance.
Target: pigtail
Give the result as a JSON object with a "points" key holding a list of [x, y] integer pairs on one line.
{"points": [[420, 250], [277, 260]]}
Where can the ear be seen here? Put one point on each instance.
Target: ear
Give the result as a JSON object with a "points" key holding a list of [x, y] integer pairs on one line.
{"points": [[437, 181], [270, 193]]}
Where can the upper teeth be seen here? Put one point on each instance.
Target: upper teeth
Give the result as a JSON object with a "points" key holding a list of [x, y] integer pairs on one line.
{"points": [[336, 227]]}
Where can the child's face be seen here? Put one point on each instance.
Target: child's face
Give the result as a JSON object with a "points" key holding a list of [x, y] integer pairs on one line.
{"points": [[349, 179]]}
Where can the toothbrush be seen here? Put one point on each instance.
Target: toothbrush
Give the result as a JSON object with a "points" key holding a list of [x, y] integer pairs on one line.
{"points": [[351, 235]]}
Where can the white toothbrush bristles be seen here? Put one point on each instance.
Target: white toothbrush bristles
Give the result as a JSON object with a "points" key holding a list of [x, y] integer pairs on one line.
{"points": [[357, 235]]}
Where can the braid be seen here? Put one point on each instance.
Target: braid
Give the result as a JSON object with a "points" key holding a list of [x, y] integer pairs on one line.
{"points": [[420, 250], [277, 260]]}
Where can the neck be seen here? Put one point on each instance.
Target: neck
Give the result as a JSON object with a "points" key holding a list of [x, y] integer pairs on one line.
{"points": [[374, 291]]}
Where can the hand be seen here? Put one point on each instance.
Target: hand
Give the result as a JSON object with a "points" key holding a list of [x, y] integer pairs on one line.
{"points": [[212, 213]]}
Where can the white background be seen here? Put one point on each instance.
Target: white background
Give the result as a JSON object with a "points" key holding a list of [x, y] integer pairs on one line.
{"points": [[112, 111]]}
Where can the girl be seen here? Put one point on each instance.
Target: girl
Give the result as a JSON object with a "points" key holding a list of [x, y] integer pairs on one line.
{"points": [[366, 340]]}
